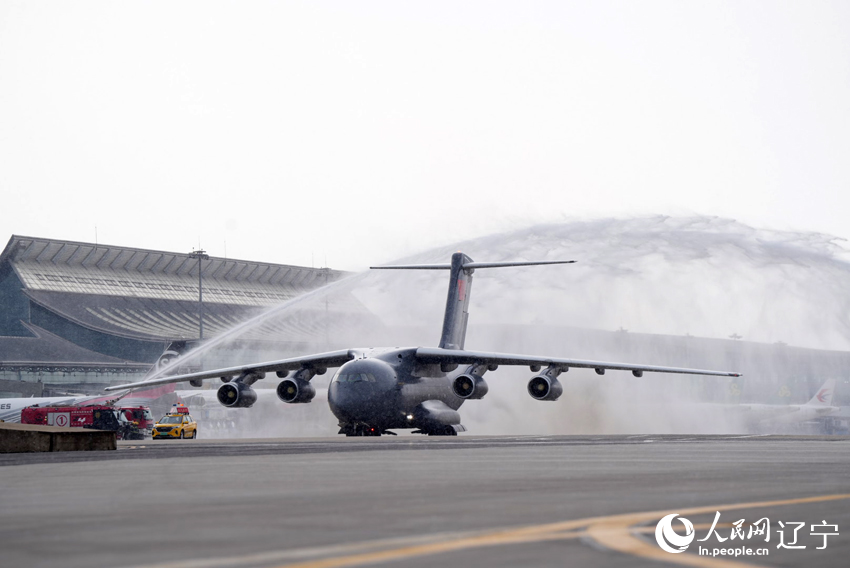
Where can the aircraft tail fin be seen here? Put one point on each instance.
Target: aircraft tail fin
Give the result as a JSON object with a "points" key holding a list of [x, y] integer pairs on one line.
{"points": [[824, 395], [457, 303], [173, 350], [460, 287]]}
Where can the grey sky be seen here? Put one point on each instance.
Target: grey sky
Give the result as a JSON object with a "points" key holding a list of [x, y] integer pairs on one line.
{"points": [[361, 131]]}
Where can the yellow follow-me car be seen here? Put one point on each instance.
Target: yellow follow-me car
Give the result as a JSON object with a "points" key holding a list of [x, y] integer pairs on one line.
{"points": [[176, 424]]}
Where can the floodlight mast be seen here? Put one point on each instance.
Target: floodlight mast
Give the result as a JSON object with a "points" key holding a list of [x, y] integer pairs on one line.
{"points": [[200, 255]]}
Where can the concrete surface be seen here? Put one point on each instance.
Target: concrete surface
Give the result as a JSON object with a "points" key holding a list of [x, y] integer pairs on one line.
{"points": [[417, 502]]}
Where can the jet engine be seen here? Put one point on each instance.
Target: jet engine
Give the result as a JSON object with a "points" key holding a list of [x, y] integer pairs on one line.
{"points": [[295, 390], [544, 387], [236, 394], [469, 385]]}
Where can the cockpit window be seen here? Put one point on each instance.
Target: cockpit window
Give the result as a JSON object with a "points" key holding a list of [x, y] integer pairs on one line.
{"points": [[355, 377]]}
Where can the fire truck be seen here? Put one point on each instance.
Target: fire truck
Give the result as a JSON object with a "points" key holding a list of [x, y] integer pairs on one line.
{"points": [[140, 415], [129, 423]]}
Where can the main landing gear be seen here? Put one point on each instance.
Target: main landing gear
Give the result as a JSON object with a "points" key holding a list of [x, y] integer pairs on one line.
{"points": [[366, 430], [363, 430], [441, 431]]}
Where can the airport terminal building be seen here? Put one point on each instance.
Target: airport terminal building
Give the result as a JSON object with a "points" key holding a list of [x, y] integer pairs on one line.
{"points": [[78, 316]]}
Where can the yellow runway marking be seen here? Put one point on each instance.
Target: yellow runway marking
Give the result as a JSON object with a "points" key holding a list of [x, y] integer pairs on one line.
{"points": [[492, 539], [614, 532], [610, 531], [617, 536]]}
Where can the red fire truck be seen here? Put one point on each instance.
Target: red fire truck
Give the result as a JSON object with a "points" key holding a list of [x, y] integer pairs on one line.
{"points": [[129, 423], [141, 415]]}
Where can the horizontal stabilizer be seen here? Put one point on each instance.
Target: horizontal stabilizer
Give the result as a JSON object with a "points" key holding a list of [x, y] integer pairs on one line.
{"points": [[528, 263], [469, 265], [460, 285], [413, 267]]}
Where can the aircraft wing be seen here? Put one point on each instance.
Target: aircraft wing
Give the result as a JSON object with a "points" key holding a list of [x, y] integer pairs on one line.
{"points": [[330, 359], [462, 357]]}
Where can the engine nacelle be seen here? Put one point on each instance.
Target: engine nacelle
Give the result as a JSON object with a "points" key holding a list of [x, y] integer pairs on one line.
{"points": [[236, 395], [196, 382], [295, 390], [544, 387], [469, 386]]}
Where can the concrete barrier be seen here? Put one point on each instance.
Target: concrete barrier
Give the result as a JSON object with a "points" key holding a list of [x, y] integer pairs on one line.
{"points": [[33, 438]]}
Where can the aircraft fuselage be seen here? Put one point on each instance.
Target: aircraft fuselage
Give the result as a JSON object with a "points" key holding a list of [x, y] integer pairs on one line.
{"points": [[386, 389]]}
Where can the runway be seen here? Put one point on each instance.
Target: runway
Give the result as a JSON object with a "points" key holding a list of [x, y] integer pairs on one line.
{"points": [[418, 501]]}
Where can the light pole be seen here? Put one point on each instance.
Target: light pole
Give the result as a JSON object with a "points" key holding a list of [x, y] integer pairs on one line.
{"points": [[200, 255]]}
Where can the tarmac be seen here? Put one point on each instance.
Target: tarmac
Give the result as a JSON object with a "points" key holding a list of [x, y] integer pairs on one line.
{"points": [[419, 501]]}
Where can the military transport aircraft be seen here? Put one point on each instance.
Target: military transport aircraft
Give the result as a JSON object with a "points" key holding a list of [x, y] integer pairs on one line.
{"points": [[375, 390]]}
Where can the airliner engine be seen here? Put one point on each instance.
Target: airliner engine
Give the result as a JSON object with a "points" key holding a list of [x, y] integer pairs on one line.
{"points": [[544, 387], [236, 394], [295, 390], [470, 386]]}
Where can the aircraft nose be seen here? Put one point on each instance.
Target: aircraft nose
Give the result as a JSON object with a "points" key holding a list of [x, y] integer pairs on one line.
{"points": [[344, 399], [351, 401]]}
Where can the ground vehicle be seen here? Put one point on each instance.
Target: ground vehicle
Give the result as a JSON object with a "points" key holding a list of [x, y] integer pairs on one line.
{"points": [[141, 415], [176, 424], [126, 422]]}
